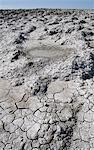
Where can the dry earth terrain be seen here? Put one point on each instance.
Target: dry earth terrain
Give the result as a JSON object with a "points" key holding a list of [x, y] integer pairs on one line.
{"points": [[46, 79]]}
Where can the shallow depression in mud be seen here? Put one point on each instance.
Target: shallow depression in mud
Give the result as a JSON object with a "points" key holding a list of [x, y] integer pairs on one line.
{"points": [[50, 52]]}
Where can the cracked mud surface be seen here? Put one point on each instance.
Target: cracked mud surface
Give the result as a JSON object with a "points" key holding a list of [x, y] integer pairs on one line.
{"points": [[47, 80]]}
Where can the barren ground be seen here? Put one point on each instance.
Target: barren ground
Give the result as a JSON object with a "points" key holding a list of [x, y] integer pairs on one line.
{"points": [[46, 79]]}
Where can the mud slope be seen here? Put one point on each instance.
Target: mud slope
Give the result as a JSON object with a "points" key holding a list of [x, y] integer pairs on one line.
{"points": [[47, 79]]}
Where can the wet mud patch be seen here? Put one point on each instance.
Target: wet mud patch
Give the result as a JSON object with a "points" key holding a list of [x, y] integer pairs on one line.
{"points": [[46, 51]]}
